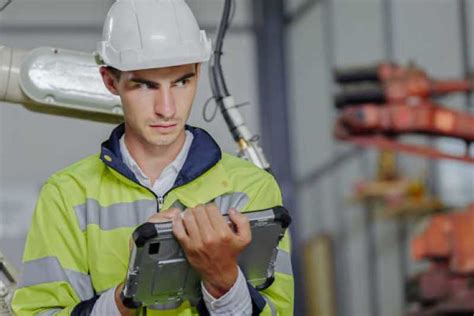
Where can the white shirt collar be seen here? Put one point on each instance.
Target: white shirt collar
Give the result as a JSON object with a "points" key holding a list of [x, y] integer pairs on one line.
{"points": [[169, 174]]}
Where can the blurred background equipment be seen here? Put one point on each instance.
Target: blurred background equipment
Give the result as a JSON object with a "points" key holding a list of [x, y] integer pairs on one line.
{"points": [[8, 281], [391, 83], [375, 114], [374, 125], [318, 268], [446, 286], [393, 194]]}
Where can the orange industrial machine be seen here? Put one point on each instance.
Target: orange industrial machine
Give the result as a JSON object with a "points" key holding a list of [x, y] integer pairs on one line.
{"points": [[393, 194], [391, 83], [373, 125], [394, 102], [447, 286]]}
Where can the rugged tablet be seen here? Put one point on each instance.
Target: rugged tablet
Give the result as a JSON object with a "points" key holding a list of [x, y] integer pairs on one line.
{"points": [[159, 275]]}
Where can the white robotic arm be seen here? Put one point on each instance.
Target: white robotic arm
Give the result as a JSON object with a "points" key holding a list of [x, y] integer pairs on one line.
{"points": [[57, 81]]}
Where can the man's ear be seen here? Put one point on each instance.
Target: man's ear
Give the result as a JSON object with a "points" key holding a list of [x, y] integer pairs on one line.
{"points": [[110, 81]]}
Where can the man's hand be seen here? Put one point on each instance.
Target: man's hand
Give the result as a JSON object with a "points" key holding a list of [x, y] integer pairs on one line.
{"points": [[211, 246], [162, 216]]}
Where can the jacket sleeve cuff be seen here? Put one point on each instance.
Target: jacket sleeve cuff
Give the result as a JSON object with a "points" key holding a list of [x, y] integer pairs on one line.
{"points": [[254, 306], [85, 308], [258, 302], [106, 305], [235, 301], [98, 305]]}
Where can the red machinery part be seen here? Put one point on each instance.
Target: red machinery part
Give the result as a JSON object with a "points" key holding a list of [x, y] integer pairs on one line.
{"points": [[373, 125], [434, 242], [376, 72], [391, 83], [426, 118], [446, 287], [448, 236]]}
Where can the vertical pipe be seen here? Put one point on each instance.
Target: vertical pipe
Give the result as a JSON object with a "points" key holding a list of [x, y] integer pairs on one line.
{"points": [[388, 29], [402, 233], [465, 51], [464, 30], [370, 249], [339, 235]]}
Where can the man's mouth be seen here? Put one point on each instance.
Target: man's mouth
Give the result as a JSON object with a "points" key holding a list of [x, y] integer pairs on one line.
{"points": [[163, 127]]}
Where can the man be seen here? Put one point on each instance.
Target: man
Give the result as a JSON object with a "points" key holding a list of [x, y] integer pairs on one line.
{"points": [[77, 250]]}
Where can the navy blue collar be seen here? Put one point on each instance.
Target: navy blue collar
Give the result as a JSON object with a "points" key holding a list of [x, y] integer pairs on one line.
{"points": [[203, 154]]}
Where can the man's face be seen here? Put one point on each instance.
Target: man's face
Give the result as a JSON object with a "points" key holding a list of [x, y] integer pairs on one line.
{"points": [[156, 102]]}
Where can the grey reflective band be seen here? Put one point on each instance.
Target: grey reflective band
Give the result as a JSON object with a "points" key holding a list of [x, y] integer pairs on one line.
{"points": [[135, 213], [235, 200], [48, 270], [114, 216], [224, 202], [271, 305], [283, 263], [50, 312], [177, 204]]}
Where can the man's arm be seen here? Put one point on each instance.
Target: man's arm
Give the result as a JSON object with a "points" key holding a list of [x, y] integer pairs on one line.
{"points": [[55, 273], [278, 299]]}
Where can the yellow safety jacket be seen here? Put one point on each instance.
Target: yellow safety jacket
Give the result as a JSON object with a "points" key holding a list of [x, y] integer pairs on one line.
{"points": [[78, 244]]}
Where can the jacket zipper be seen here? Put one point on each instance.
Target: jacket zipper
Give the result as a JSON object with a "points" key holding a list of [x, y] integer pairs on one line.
{"points": [[160, 200]]}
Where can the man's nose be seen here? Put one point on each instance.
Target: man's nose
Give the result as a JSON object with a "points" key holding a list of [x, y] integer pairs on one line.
{"points": [[164, 103]]}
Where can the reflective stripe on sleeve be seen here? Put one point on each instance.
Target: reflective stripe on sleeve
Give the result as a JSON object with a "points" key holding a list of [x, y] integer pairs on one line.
{"points": [[48, 270], [235, 200], [283, 263], [114, 216], [271, 305], [50, 312]]}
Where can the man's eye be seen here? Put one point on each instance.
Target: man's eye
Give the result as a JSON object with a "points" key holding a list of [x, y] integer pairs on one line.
{"points": [[142, 85], [182, 83]]}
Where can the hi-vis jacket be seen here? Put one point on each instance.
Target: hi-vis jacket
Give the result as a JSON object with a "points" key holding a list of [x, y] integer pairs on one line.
{"points": [[78, 244]]}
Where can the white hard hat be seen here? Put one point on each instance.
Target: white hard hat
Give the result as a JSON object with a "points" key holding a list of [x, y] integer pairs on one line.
{"points": [[144, 34]]}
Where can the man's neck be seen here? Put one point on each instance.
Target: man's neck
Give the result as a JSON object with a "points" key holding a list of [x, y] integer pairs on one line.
{"points": [[153, 159]]}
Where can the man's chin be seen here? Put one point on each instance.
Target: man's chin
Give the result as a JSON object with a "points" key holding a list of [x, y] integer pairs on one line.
{"points": [[163, 140]]}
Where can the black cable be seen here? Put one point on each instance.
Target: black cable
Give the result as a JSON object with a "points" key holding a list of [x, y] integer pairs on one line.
{"points": [[5, 5], [217, 81], [216, 76], [211, 118], [204, 110], [229, 12]]}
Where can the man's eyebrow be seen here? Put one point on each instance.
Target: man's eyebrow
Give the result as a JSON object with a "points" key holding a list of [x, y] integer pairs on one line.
{"points": [[186, 76], [145, 81], [155, 84]]}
